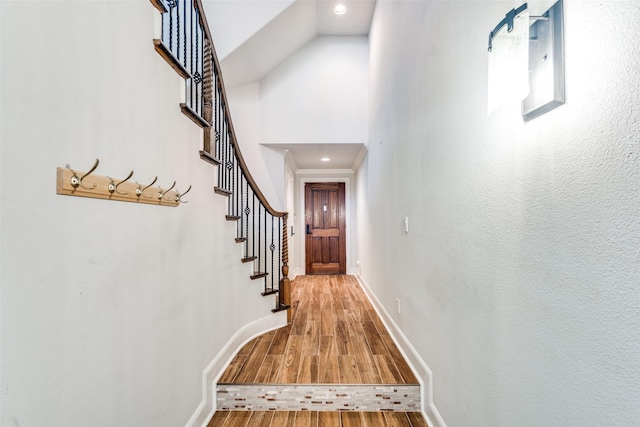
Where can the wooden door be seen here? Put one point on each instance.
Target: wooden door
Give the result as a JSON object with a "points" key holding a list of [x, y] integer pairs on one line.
{"points": [[325, 225]]}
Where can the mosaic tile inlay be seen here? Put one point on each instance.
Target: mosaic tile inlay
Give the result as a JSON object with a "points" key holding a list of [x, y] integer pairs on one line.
{"points": [[318, 397]]}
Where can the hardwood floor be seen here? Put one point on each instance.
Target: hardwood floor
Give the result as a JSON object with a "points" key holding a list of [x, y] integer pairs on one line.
{"points": [[317, 419], [335, 338]]}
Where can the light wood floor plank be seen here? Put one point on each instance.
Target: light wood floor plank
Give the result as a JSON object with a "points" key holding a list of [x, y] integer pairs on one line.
{"points": [[417, 420], [373, 419], [309, 370], [304, 419], [367, 368], [283, 419], [237, 419], [402, 365], [351, 419], [246, 349], [291, 362], [328, 320], [348, 370], [268, 371], [388, 371], [397, 419], [311, 345], [316, 419], [261, 419], [329, 371], [373, 337], [329, 419], [254, 360], [218, 419], [232, 370], [279, 343], [323, 327]]}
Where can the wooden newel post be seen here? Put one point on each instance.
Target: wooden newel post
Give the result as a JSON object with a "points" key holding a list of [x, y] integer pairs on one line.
{"points": [[285, 283]]}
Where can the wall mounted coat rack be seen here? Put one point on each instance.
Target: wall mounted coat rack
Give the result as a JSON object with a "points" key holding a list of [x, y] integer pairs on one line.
{"points": [[87, 184]]}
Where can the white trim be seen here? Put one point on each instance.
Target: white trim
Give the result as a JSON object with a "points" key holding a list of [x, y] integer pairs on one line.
{"points": [[301, 224], [216, 367], [289, 160], [360, 158], [420, 368]]}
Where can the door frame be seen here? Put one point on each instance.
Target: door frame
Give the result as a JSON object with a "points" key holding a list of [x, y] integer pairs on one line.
{"points": [[303, 180]]}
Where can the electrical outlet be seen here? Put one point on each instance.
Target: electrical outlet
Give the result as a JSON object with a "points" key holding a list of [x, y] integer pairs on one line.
{"points": [[398, 305]]}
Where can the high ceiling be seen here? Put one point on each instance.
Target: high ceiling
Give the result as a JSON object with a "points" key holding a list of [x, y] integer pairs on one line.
{"points": [[252, 37]]}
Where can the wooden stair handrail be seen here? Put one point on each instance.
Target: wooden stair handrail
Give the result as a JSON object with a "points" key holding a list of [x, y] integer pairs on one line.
{"points": [[212, 98], [227, 118]]}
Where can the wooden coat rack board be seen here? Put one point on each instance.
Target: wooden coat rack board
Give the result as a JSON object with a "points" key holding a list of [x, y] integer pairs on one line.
{"points": [[86, 184]]}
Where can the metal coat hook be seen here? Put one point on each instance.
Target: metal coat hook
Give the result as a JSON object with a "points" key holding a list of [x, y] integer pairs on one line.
{"points": [[140, 190], [118, 184], [179, 196], [76, 182], [162, 193]]}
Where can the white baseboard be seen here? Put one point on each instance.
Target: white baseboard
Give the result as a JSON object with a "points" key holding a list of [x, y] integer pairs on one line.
{"points": [[418, 365], [216, 367]]}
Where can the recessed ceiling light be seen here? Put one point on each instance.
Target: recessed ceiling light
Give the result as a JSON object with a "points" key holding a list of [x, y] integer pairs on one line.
{"points": [[325, 159], [340, 9]]}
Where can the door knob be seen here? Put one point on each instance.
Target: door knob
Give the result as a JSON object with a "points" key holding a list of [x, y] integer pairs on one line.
{"points": [[308, 229]]}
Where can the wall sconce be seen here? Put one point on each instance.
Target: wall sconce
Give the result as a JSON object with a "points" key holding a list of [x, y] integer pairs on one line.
{"points": [[526, 61]]}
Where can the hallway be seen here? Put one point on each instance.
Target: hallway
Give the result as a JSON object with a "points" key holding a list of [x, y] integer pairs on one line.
{"points": [[335, 342]]}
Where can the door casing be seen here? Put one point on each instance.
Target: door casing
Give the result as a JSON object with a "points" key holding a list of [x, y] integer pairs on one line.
{"points": [[302, 180], [325, 222]]}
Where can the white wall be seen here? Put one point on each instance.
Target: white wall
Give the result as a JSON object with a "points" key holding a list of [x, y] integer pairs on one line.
{"points": [[233, 22], [518, 278], [318, 95], [110, 311]]}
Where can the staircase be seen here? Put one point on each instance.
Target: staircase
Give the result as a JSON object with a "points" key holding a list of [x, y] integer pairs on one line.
{"points": [[335, 363], [185, 43]]}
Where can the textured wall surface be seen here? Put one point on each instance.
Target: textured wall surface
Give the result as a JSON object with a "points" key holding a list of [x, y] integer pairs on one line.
{"points": [[318, 95], [110, 311], [518, 279]]}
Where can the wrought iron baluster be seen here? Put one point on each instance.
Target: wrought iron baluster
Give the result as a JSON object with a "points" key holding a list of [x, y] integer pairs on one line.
{"points": [[177, 32], [198, 76], [191, 82], [279, 250], [223, 146], [184, 31], [260, 237], [266, 269], [246, 223], [231, 177], [253, 226], [172, 4], [272, 247]]}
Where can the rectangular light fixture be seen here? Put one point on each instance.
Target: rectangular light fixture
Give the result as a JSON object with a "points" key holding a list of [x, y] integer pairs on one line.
{"points": [[545, 59]]}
